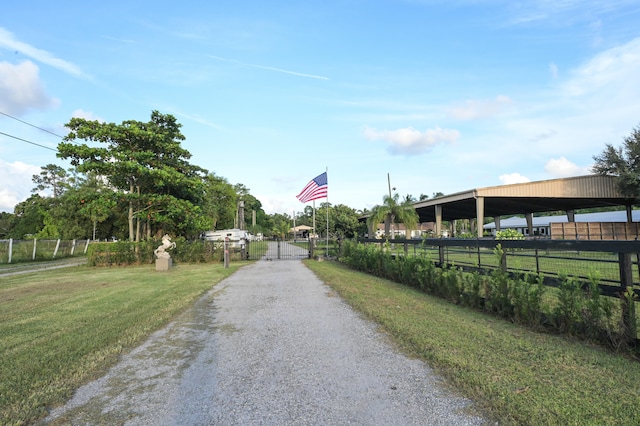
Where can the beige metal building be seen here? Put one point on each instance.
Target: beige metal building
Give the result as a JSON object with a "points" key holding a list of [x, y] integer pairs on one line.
{"points": [[567, 194]]}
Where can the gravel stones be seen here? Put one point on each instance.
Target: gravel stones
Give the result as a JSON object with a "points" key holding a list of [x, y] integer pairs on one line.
{"points": [[270, 345]]}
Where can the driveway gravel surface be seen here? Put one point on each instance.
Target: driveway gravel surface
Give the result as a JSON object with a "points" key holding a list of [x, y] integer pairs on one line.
{"points": [[270, 345]]}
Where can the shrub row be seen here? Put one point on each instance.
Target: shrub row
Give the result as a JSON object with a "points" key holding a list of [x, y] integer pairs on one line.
{"points": [[128, 253], [575, 308]]}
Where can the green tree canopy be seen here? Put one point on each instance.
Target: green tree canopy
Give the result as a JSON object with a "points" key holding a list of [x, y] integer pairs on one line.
{"points": [[52, 177], [146, 164], [220, 201], [623, 163], [28, 217], [343, 221]]}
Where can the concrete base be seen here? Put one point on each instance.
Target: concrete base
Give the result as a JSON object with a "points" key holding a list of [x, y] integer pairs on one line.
{"points": [[163, 264]]}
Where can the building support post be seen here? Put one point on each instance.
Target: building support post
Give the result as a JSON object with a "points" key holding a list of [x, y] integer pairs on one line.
{"points": [[438, 208], [480, 215]]}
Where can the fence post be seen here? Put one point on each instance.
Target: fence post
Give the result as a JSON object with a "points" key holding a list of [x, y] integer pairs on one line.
{"points": [[55, 252], [503, 260], [86, 246], [226, 252], [441, 255], [73, 247], [278, 250], [33, 256], [10, 249], [628, 298]]}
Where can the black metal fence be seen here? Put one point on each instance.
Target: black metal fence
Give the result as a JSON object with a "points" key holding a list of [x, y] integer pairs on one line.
{"points": [[278, 249], [614, 264]]}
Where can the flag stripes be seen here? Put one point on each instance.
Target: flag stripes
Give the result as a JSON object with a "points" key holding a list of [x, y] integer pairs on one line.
{"points": [[317, 188]]}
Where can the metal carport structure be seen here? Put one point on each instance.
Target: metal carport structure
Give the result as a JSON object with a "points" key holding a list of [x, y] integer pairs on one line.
{"points": [[566, 194]]}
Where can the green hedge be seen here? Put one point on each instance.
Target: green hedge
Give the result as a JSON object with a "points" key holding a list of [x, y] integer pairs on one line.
{"points": [[127, 253], [575, 308]]}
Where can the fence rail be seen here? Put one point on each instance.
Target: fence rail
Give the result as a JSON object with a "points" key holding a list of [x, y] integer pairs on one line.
{"points": [[13, 251], [615, 263]]}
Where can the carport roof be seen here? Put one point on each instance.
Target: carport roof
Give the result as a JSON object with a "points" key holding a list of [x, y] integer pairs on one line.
{"points": [[531, 197]]}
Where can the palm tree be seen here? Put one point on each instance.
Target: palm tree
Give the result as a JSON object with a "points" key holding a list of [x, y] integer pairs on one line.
{"points": [[392, 211]]}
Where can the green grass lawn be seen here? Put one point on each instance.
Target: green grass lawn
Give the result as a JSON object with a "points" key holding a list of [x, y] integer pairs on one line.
{"points": [[516, 376], [61, 328]]}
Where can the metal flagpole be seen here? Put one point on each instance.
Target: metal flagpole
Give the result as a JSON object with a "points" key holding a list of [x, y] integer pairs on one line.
{"points": [[327, 172]]}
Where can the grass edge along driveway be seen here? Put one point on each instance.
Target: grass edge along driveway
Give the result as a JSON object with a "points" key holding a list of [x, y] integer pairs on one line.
{"points": [[62, 328], [515, 375]]}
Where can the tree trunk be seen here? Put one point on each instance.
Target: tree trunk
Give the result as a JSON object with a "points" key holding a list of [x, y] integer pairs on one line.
{"points": [[130, 215], [131, 221], [138, 219], [387, 225]]}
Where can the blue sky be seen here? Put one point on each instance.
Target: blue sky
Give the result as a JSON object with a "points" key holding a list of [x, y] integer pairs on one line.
{"points": [[443, 96]]}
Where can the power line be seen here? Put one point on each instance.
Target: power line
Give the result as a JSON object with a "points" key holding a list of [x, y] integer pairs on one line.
{"points": [[32, 143], [32, 125]]}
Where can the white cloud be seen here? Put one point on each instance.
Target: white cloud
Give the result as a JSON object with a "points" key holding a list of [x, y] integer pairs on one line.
{"points": [[21, 89], [616, 67], [8, 41], [553, 70], [513, 178], [564, 12], [479, 109], [591, 105], [263, 67], [20, 175], [410, 141], [561, 167], [79, 113]]}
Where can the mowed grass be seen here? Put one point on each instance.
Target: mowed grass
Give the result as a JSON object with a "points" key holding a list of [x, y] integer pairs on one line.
{"points": [[515, 375], [61, 328]]}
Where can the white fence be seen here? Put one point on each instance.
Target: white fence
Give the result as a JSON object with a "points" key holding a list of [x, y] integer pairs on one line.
{"points": [[30, 250]]}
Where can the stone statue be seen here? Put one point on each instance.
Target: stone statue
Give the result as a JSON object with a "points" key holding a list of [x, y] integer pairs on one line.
{"points": [[167, 244]]}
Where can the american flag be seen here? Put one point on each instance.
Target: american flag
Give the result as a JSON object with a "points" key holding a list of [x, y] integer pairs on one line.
{"points": [[316, 188]]}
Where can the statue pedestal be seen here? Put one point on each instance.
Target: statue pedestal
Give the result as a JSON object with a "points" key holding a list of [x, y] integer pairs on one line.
{"points": [[163, 264]]}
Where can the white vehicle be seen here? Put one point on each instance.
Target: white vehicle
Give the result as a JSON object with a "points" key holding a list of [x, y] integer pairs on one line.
{"points": [[237, 237]]}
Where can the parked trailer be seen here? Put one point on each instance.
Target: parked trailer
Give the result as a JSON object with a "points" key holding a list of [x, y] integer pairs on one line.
{"points": [[237, 237]]}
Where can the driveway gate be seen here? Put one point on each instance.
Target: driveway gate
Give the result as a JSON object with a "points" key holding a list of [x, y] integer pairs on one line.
{"points": [[278, 250]]}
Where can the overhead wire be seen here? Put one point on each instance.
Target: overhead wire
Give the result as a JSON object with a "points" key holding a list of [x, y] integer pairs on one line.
{"points": [[32, 143], [34, 126]]}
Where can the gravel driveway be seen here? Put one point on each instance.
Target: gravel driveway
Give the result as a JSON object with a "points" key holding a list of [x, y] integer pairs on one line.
{"points": [[270, 345]]}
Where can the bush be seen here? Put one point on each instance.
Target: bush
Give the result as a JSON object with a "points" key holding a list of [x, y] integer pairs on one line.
{"points": [[128, 253], [575, 311], [509, 234]]}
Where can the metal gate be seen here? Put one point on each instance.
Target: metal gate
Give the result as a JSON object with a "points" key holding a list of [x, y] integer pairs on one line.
{"points": [[278, 250]]}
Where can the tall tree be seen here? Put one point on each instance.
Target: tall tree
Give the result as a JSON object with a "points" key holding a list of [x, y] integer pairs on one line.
{"points": [[7, 222], [28, 217], [343, 221], [51, 177], [219, 202], [623, 163], [145, 162], [392, 211]]}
